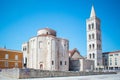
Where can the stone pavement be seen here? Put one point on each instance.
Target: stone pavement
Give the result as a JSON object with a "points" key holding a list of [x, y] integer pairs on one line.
{"points": [[92, 77]]}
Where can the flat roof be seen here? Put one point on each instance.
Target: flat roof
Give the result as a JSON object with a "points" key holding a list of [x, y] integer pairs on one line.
{"points": [[112, 52]]}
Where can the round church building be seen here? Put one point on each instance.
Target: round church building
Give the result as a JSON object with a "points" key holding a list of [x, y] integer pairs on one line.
{"points": [[46, 51]]}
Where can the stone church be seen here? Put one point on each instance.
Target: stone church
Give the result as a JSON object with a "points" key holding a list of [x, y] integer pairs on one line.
{"points": [[46, 51]]}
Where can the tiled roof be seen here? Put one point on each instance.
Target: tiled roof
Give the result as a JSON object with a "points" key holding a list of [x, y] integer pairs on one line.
{"points": [[4, 49], [72, 52]]}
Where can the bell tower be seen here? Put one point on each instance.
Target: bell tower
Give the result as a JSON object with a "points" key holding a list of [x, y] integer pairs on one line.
{"points": [[94, 43]]}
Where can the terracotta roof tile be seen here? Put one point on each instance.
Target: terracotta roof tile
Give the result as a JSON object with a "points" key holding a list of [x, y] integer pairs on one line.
{"points": [[71, 52]]}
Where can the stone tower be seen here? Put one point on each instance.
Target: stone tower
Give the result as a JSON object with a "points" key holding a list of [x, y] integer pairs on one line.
{"points": [[94, 43]]}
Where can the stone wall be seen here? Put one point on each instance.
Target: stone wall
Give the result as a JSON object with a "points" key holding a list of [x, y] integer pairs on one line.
{"points": [[87, 65], [35, 73], [74, 65], [14, 73]]}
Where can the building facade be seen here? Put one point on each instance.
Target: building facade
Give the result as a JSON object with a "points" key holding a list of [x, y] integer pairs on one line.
{"points": [[10, 58], [46, 51], [94, 41], [111, 60]]}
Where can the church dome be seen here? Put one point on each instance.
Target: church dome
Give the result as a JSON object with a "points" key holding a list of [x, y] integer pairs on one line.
{"points": [[46, 31]]}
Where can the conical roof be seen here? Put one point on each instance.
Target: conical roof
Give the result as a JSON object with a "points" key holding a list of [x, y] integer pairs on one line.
{"points": [[93, 14]]}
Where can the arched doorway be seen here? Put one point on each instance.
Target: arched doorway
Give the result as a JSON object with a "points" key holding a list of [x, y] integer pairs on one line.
{"points": [[41, 66]]}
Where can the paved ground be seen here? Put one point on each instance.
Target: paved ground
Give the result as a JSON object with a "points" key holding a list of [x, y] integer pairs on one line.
{"points": [[92, 77]]}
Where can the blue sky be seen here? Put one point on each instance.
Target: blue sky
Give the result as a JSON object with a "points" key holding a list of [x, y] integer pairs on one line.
{"points": [[20, 20]]}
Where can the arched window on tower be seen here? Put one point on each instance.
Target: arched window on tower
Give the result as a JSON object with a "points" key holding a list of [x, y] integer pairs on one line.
{"points": [[89, 37], [90, 46], [92, 25], [93, 36], [89, 27], [93, 55], [93, 46], [90, 56]]}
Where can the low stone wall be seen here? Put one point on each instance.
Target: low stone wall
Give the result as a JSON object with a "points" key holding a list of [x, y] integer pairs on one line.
{"points": [[34, 73], [14, 73]]}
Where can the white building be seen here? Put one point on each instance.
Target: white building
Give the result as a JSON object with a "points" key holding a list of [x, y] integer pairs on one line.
{"points": [[94, 43], [46, 51], [111, 60]]}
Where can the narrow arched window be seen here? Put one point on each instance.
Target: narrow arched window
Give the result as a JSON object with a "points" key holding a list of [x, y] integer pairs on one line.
{"points": [[6, 56], [93, 46], [92, 36], [89, 27], [90, 55], [93, 55], [60, 62], [47, 33], [89, 37], [90, 46], [92, 25], [52, 62], [16, 57], [41, 66]]}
